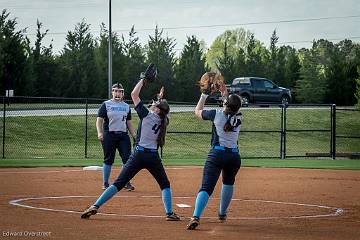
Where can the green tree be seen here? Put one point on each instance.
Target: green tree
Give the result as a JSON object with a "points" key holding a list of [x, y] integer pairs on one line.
{"points": [[273, 64], [235, 40], [311, 86], [160, 51], [191, 66], [281, 63], [240, 65], [102, 61], [226, 64], [256, 54], [291, 67], [341, 73], [13, 57], [78, 59], [357, 93], [119, 62], [135, 59], [280, 67], [43, 64]]}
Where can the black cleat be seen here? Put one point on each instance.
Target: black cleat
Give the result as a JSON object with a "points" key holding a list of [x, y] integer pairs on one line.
{"points": [[172, 217], [222, 217], [92, 210], [194, 222], [129, 187]]}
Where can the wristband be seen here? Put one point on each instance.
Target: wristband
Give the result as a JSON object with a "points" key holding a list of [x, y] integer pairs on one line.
{"points": [[204, 96]]}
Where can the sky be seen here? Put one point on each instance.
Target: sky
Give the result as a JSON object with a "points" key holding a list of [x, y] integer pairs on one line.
{"points": [[297, 22]]}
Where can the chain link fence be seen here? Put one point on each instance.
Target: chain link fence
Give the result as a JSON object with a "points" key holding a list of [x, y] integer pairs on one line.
{"points": [[309, 131], [347, 132], [56, 128]]}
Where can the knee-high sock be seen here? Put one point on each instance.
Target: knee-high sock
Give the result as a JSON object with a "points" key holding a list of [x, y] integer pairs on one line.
{"points": [[226, 196], [106, 195], [167, 200], [200, 203], [106, 173]]}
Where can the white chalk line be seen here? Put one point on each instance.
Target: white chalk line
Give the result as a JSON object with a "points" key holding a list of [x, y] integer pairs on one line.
{"points": [[335, 210], [81, 170], [16, 202], [48, 171]]}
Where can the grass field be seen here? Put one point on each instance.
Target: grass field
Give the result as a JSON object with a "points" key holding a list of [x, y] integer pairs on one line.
{"points": [[63, 137]]}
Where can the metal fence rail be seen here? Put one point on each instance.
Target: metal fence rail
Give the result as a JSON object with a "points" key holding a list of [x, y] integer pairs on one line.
{"points": [[65, 128]]}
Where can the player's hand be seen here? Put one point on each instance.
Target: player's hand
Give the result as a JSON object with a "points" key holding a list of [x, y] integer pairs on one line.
{"points": [[100, 136]]}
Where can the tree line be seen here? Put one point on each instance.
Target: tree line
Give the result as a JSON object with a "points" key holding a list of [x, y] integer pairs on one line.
{"points": [[326, 73]]}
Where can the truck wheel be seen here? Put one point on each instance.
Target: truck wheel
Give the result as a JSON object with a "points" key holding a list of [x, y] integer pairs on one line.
{"points": [[284, 99]]}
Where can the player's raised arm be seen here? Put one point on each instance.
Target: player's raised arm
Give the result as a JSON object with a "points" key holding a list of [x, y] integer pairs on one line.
{"points": [[136, 92], [200, 105], [149, 75]]}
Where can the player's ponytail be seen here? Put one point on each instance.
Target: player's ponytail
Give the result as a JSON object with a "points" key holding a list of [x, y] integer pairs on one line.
{"points": [[164, 110], [162, 133], [232, 106]]}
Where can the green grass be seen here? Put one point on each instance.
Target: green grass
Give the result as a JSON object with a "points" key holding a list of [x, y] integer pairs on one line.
{"points": [[63, 137], [341, 164]]}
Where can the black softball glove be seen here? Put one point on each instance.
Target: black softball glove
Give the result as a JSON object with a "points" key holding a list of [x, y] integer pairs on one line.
{"points": [[150, 73]]}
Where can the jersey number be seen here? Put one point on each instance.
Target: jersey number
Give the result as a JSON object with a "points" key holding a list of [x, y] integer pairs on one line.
{"points": [[156, 128]]}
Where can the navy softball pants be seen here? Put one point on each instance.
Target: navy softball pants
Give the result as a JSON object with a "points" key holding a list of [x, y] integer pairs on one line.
{"points": [[220, 161], [143, 160], [113, 141]]}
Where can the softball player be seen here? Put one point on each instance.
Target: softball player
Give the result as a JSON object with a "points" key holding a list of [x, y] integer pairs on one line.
{"points": [[150, 135], [223, 157], [112, 124]]}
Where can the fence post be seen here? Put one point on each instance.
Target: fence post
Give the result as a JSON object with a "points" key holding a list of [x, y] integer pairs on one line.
{"points": [[284, 149], [86, 127], [333, 132], [282, 132], [3, 138]]}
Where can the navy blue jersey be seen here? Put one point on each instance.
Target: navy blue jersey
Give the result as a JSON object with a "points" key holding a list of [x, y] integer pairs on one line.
{"points": [[149, 127], [115, 115], [219, 136]]}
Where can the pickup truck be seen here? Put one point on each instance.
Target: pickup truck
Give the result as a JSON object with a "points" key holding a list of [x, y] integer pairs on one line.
{"points": [[256, 89]]}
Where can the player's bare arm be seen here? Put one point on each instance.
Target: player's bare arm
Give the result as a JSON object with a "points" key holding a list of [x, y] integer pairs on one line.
{"points": [[200, 105], [99, 128], [136, 92]]}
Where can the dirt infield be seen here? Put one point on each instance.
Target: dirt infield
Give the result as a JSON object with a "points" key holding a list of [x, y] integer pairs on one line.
{"points": [[45, 203]]}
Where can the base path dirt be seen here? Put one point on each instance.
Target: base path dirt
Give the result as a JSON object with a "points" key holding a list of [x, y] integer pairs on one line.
{"points": [[268, 203]]}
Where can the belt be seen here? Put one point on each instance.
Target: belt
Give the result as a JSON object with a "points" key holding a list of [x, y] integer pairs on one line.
{"points": [[117, 132], [142, 149], [221, 148]]}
